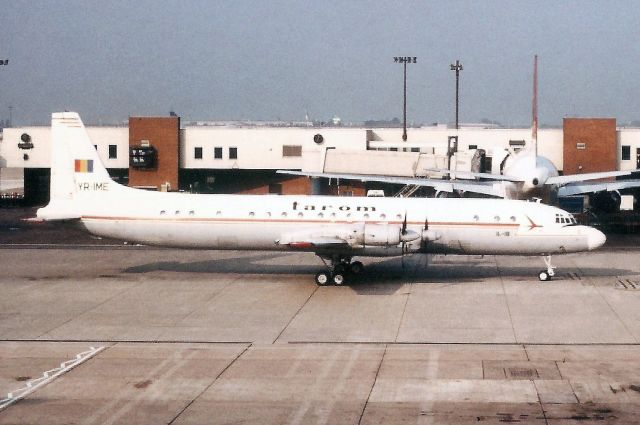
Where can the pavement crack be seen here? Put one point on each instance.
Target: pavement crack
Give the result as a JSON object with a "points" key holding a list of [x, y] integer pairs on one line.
{"points": [[295, 314], [506, 301], [364, 408], [210, 385], [404, 309], [87, 310], [615, 312]]}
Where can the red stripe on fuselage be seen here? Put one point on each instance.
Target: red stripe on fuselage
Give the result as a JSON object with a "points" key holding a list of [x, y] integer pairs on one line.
{"points": [[279, 220]]}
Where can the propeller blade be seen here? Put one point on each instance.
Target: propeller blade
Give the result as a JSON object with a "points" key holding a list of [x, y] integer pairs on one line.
{"points": [[404, 224]]}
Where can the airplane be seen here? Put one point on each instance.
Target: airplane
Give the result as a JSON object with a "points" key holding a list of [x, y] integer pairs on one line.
{"points": [[336, 229], [523, 174]]}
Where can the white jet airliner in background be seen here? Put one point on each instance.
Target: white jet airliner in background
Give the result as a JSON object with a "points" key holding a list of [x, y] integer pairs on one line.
{"points": [[523, 174], [334, 228]]}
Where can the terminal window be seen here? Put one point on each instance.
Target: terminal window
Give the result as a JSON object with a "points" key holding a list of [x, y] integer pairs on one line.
{"points": [[217, 153], [113, 151], [197, 153], [233, 153], [292, 150], [626, 153]]}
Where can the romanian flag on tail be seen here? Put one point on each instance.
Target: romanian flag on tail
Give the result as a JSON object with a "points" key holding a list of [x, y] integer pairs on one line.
{"points": [[84, 165]]}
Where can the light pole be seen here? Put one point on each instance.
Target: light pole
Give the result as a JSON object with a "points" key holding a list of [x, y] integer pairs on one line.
{"points": [[457, 67], [5, 62], [404, 60]]}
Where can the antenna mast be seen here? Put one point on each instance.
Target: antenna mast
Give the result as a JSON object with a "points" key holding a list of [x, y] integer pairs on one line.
{"points": [[534, 106]]}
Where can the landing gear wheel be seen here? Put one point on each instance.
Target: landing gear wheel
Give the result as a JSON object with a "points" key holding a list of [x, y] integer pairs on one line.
{"points": [[356, 267], [323, 278], [338, 279], [544, 276]]}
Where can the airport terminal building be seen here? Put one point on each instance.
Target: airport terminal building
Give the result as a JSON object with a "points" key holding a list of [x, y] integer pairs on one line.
{"points": [[158, 153]]}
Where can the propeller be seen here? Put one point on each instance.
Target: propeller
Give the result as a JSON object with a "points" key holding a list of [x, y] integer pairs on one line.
{"points": [[403, 231], [424, 241], [405, 237]]}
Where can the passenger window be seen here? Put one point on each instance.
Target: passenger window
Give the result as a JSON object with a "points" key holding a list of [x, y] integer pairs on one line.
{"points": [[284, 214], [496, 218], [163, 212], [383, 216], [192, 212], [252, 214], [476, 217], [300, 215], [366, 216], [513, 218]]}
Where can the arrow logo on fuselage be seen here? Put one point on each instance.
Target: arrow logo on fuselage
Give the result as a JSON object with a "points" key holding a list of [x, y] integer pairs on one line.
{"points": [[532, 224]]}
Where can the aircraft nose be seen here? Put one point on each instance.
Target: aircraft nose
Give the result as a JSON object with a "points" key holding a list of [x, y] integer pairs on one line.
{"points": [[595, 238]]}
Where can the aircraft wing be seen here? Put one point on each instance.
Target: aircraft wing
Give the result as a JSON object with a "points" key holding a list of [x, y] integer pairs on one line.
{"points": [[320, 238], [580, 188], [483, 187], [571, 178]]}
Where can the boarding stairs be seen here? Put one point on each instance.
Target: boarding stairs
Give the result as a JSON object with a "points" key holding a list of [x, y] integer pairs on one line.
{"points": [[407, 191]]}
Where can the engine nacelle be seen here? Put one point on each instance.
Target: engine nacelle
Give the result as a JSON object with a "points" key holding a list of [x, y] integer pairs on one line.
{"points": [[430, 235], [387, 235], [381, 235]]}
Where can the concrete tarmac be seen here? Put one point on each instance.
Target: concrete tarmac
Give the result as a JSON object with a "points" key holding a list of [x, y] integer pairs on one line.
{"points": [[247, 337]]}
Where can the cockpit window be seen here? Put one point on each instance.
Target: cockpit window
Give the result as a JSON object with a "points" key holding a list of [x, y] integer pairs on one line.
{"points": [[565, 219]]}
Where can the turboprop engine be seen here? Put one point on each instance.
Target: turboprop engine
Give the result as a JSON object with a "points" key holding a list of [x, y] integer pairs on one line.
{"points": [[387, 235], [356, 235]]}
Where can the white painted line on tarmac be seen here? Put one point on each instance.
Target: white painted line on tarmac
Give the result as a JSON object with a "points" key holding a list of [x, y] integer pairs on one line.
{"points": [[47, 377]]}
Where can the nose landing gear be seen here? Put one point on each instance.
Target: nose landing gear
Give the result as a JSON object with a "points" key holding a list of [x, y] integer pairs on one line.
{"points": [[340, 267], [546, 275]]}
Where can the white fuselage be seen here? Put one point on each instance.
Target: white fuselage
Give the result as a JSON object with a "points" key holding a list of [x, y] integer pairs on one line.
{"points": [[465, 226]]}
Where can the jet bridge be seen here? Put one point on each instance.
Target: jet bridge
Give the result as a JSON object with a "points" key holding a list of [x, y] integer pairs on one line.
{"points": [[392, 163]]}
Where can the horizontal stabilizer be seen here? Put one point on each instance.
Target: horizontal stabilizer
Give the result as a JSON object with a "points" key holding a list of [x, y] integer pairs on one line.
{"points": [[58, 210]]}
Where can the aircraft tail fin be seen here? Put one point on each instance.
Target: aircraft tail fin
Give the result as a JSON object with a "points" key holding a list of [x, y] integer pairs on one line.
{"points": [[76, 170]]}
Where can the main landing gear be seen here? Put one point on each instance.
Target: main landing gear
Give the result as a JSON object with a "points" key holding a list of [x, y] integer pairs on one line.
{"points": [[337, 272], [546, 275]]}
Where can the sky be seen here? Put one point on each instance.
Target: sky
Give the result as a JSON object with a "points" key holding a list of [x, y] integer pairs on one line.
{"points": [[283, 60]]}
